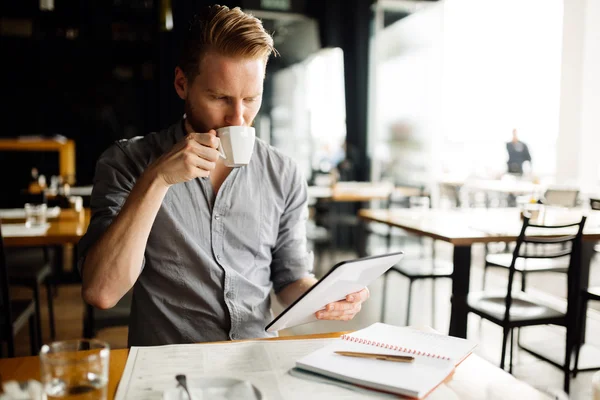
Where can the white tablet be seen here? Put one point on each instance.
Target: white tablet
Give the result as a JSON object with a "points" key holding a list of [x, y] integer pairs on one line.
{"points": [[344, 278]]}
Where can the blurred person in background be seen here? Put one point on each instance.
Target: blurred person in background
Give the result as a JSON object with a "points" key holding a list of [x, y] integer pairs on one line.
{"points": [[518, 154]]}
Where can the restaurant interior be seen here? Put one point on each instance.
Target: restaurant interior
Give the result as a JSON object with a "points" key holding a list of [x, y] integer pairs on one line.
{"points": [[441, 129]]}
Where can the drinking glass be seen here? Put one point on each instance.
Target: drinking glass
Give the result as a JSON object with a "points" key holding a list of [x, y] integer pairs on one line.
{"points": [[75, 369], [35, 214]]}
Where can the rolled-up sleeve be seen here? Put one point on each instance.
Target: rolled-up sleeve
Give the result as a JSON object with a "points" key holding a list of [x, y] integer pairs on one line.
{"points": [[291, 260], [114, 178]]}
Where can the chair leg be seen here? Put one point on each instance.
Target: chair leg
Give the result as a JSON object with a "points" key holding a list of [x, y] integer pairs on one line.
{"points": [[568, 352], [410, 283], [383, 295], [523, 284], [512, 353], [485, 268], [50, 309], [33, 333], [582, 316], [88, 322], [38, 314], [505, 333], [433, 303]]}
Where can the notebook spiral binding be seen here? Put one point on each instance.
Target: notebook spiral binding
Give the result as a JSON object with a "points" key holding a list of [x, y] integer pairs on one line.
{"points": [[393, 347]]}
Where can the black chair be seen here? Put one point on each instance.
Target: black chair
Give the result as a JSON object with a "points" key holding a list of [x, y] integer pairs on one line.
{"points": [[15, 314], [319, 238], [319, 241], [517, 309], [95, 319], [595, 205], [32, 267], [592, 294], [552, 197], [415, 269], [399, 198]]}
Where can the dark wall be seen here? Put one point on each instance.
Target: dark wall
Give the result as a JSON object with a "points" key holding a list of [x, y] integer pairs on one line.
{"points": [[86, 70], [99, 70]]}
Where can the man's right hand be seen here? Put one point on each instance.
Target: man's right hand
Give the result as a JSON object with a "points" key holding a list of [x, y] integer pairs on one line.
{"points": [[194, 156]]}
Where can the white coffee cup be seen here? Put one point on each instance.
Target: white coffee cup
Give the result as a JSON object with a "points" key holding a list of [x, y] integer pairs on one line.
{"points": [[237, 144]]}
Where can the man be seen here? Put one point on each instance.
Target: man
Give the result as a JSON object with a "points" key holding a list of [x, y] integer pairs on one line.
{"points": [[518, 153], [200, 243]]}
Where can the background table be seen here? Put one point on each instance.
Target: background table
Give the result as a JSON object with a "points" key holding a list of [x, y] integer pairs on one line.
{"points": [[68, 228], [465, 227]]}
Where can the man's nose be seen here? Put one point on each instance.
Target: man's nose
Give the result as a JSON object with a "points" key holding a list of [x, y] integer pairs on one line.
{"points": [[235, 114]]}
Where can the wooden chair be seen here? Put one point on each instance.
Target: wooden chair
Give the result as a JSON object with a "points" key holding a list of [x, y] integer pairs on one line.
{"points": [[517, 309], [32, 267], [15, 314]]}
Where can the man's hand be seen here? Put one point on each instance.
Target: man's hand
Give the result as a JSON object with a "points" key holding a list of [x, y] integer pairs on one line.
{"points": [[194, 156], [344, 310]]}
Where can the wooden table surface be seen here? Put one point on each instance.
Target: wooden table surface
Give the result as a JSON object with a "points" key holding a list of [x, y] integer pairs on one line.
{"points": [[473, 379], [351, 192], [466, 226], [68, 228]]}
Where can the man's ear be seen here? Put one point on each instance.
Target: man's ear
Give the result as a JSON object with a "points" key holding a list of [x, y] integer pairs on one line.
{"points": [[180, 83]]}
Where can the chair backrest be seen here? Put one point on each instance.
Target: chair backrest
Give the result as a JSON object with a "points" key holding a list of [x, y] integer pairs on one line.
{"points": [[554, 241], [401, 195], [5, 310], [561, 197]]}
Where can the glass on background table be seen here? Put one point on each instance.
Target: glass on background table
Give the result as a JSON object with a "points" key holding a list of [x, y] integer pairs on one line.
{"points": [[35, 214]]}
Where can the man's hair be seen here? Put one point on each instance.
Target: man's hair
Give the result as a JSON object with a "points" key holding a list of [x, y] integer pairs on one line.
{"points": [[228, 32]]}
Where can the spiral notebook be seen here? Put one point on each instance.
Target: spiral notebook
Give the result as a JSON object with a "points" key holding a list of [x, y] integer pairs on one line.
{"points": [[435, 355]]}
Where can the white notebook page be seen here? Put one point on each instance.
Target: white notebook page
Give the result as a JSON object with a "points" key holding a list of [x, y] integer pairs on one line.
{"points": [[456, 349]]}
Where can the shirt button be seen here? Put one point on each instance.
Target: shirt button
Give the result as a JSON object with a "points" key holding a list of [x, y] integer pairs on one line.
{"points": [[219, 257], [217, 217], [229, 295]]}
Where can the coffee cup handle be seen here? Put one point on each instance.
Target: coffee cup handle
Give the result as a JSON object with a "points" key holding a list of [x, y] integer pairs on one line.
{"points": [[221, 152]]}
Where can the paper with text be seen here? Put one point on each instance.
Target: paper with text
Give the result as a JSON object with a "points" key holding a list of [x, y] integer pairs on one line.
{"points": [[151, 370]]}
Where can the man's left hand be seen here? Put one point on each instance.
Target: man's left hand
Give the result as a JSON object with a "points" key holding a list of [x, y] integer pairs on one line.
{"points": [[344, 310]]}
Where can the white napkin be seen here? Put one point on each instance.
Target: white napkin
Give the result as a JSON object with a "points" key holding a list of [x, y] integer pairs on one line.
{"points": [[20, 230], [19, 213], [28, 390]]}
